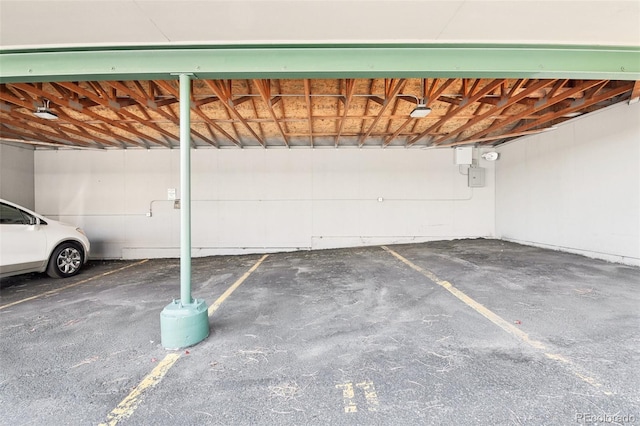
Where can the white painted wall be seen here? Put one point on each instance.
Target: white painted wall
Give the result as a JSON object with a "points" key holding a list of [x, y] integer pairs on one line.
{"points": [[256, 200], [576, 188], [17, 175]]}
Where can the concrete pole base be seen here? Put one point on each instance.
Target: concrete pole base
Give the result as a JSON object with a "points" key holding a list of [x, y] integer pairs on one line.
{"points": [[184, 325]]}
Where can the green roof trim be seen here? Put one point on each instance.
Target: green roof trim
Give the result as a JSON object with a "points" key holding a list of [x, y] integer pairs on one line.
{"points": [[321, 61]]}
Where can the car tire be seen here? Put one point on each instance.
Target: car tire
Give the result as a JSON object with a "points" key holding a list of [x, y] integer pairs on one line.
{"points": [[66, 260]]}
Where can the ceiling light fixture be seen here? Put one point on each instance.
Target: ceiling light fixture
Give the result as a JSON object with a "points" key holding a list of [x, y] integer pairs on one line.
{"points": [[45, 112], [420, 111], [490, 156]]}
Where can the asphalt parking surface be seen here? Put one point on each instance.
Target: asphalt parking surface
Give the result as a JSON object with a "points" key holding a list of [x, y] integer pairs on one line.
{"points": [[349, 336]]}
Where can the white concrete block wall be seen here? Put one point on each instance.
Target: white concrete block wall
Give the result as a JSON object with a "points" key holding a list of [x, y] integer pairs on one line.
{"points": [[256, 200], [576, 188], [17, 174]]}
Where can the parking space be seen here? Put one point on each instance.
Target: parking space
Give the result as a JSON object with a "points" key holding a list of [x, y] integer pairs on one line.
{"points": [[456, 332]]}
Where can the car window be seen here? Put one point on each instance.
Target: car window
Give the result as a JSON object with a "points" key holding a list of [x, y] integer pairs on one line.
{"points": [[10, 215]]}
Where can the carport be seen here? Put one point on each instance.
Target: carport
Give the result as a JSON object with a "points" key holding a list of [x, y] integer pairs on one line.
{"points": [[420, 165]]}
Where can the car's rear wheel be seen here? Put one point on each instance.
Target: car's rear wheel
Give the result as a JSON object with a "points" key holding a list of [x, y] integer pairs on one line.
{"points": [[65, 261]]}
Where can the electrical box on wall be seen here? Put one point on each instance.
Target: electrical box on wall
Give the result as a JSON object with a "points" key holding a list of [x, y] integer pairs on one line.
{"points": [[171, 194], [476, 177], [463, 155]]}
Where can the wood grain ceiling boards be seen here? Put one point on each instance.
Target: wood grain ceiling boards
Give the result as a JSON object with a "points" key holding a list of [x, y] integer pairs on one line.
{"points": [[299, 112]]}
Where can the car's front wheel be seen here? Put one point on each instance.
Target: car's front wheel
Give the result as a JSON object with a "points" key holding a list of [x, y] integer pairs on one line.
{"points": [[65, 261]]}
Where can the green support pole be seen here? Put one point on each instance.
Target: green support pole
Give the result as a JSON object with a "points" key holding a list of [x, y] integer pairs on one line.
{"points": [[184, 322], [185, 189]]}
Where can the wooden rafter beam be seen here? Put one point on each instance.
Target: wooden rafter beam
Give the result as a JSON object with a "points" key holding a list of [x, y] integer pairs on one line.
{"points": [[277, 100], [196, 108], [64, 93], [11, 90], [435, 95], [214, 140], [264, 87], [332, 134], [380, 101], [144, 102], [596, 89], [6, 132], [349, 90], [32, 93], [25, 123], [10, 98], [582, 104], [451, 100], [253, 107], [468, 100], [395, 134], [140, 98], [429, 98], [233, 122], [392, 88], [95, 85], [539, 106], [84, 132], [337, 118], [242, 99], [495, 110], [66, 118], [307, 98], [635, 92], [204, 101], [505, 95], [390, 118], [222, 89], [80, 130], [114, 107], [140, 88], [17, 138], [143, 113], [366, 105], [109, 122], [560, 84]]}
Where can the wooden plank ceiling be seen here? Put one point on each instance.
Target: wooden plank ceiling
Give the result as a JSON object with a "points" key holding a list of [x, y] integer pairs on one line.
{"points": [[298, 112]]}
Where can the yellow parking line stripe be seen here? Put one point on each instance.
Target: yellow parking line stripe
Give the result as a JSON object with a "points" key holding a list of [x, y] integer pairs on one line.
{"points": [[128, 405], [214, 307], [497, 320], [57, 290]]}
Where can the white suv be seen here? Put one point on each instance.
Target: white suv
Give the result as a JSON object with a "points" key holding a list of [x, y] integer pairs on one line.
{"points": [[32, 243]]}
